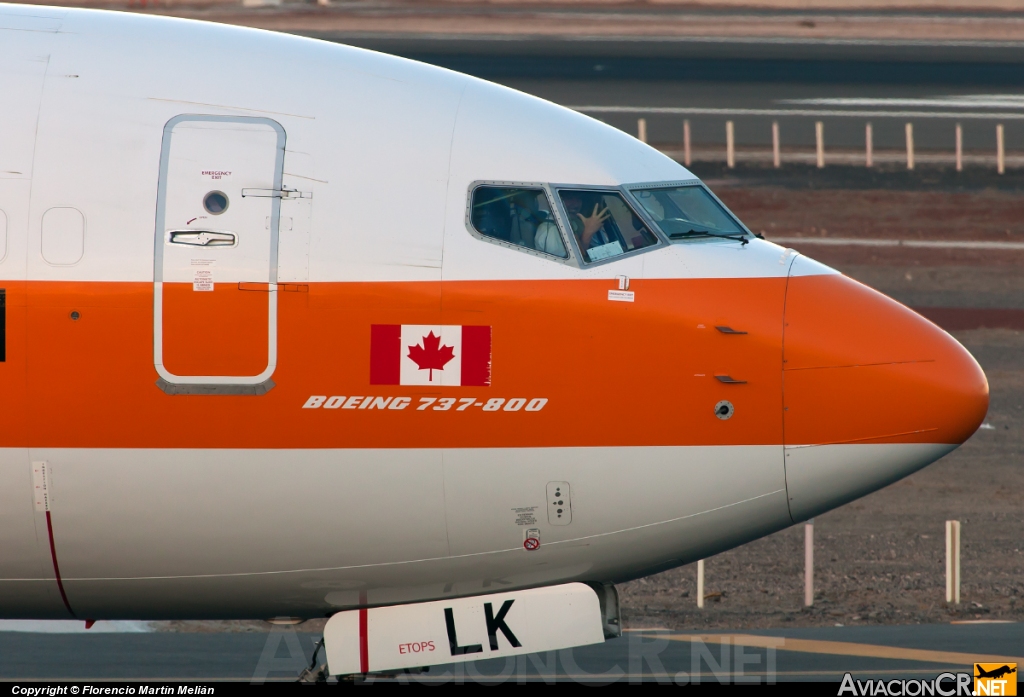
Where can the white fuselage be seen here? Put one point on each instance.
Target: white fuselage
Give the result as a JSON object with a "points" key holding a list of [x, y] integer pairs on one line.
{"points": [[174, 494]]}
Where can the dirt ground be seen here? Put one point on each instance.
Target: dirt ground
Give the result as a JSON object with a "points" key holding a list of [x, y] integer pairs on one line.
{"points": [[917, 215], [852, 201], [937, 203]]}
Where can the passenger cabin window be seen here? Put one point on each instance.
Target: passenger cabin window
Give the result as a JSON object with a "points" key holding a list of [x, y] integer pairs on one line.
{"points": [[603, 223], [688, 211], [519, 216]]}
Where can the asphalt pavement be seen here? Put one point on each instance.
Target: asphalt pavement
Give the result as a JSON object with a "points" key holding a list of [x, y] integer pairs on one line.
{"points": [[844, 109], [818, 654], [844, 84]]}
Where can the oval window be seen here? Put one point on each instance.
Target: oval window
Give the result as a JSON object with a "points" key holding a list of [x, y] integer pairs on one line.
{"points": [[215, 202]]}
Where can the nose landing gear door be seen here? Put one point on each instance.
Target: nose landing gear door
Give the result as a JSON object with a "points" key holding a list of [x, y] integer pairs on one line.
{"points": [[215, 261]]}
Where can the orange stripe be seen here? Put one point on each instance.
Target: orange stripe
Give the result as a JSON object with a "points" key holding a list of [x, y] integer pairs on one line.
{"points": [[13, 389], [860, 367], [222, 332], [615, 374]]}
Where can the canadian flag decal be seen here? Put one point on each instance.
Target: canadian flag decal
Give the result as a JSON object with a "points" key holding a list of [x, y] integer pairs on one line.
{"points": [[446, 355]]}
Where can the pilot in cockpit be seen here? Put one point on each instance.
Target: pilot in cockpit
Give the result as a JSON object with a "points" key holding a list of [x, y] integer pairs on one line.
{"points": [[588, 229]]}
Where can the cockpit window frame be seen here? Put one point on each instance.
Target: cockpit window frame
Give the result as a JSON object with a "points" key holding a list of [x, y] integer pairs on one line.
{"points": [[575, 256], [648, 186], [559, 220], [629, 200]]}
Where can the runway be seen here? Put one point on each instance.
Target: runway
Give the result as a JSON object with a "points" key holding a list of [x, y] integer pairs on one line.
{"points": [[499, 57], [622, 61], [818, 654], [752, 82], [844, 109]]}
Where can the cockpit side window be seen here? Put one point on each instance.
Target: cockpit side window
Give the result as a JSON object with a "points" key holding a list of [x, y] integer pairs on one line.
{"points": [[517, 216], [603, 223]]}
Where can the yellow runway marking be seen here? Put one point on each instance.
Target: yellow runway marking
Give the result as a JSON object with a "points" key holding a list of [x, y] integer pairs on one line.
{"points": [[844, 648]]}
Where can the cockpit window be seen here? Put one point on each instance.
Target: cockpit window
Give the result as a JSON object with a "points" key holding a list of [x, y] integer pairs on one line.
{"points": [[687, 211], [603, 223], [518, 216]]}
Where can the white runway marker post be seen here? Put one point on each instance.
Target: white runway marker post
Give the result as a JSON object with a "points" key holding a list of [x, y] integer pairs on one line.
{"points": [[686, 142], [959, 148], [641, 130], [910, 146], [819, 139], [776, 154], [809, 562], [953, 561], [1000, 150], [700, 583], [730, 145], [869, 145]]}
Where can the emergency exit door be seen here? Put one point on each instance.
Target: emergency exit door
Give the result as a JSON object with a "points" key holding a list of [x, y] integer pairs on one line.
{"points": [[215, 262]]}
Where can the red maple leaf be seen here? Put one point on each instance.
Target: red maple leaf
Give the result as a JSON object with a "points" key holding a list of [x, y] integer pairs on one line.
{"points": [[431, 356]]}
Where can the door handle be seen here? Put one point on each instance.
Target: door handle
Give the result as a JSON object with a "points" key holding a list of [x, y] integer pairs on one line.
{"points": [[281, 287], [202, 238], [276, 193], [729, 380]]}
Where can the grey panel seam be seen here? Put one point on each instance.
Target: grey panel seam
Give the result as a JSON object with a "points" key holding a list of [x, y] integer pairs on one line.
{"points": [[215, 389]]}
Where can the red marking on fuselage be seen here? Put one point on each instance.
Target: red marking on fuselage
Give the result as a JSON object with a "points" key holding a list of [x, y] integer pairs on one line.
{"points": [[840, 339], [364, 644], [56, 569]]}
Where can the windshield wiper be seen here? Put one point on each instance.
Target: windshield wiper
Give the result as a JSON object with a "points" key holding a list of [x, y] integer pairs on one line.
{"points": [[707, 233]]}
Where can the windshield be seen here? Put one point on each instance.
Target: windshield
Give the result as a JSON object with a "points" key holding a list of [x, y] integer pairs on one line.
{"points": [[687, 211]]}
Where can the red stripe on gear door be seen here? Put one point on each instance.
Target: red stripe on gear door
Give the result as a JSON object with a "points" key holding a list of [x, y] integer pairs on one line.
{"points": [[476, 356], [385, 354], [364, 641]]}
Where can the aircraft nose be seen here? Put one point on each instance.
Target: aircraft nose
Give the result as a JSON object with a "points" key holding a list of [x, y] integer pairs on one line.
{"points": [[872, 391]]}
